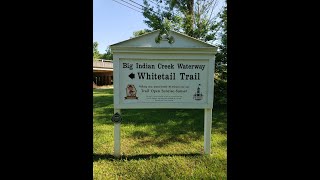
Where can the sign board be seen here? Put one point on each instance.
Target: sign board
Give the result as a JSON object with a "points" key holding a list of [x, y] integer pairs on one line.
{"points": [[163, 75], [177, 72], [158, 83]]}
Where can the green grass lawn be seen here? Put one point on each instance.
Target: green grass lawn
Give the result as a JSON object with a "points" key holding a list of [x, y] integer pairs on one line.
{"points": [[157, 143]]}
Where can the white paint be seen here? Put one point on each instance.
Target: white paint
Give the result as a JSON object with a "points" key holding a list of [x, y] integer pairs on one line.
{"points": [[148, 40], [207, 130], [117, 141]]}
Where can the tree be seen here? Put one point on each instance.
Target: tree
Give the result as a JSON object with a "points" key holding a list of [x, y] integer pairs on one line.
{"points": [[187, 16], [140, 32], [96, 54], [221, 63], [194, 18], [108, 55]]}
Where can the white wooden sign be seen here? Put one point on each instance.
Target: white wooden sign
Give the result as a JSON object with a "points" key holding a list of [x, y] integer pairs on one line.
{"points": [[164, 83], [167, 75]]}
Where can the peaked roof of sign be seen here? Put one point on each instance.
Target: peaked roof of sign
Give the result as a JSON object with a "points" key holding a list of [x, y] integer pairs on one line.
{"points": [[148, 40]]}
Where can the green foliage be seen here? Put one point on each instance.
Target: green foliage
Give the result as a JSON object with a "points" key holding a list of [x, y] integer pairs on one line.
{"points": [[141, 32], [186, 16], [157, 143], [108, 55], [221, 63], [96, 54], [194, 18]]}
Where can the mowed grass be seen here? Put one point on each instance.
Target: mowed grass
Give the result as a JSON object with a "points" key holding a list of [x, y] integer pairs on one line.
{"points": [[157, 143]]}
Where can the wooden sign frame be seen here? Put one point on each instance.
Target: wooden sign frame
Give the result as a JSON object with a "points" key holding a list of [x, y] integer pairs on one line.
{"points": [[144, 48]]}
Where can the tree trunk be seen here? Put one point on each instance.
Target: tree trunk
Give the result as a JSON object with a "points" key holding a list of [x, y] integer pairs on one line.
{"points": [[190, 19]]}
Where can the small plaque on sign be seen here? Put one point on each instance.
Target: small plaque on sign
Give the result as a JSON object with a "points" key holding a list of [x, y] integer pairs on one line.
{"points": [[116, 118]]}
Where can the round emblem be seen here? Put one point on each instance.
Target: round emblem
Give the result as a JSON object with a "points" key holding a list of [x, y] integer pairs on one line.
{"points": [[116, 118]]}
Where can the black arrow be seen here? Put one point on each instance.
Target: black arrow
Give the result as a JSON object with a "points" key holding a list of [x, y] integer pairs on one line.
{"points": [[131, 76]]}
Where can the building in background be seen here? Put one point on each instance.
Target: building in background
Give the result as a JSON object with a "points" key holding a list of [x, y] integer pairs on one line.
{"points": [[102, 72]]}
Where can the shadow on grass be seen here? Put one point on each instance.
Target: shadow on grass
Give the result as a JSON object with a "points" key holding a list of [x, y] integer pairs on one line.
{"points": [[140, 134], [172, 125], [103, 105], [166, 125], [223, 143], [110, 157]]}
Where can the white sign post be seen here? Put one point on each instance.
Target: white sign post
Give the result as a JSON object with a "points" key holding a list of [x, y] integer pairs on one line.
{"points": [[162, 75], [116, 136]]}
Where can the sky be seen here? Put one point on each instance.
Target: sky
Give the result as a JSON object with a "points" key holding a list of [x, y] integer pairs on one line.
{"points": [[114, 22]]}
